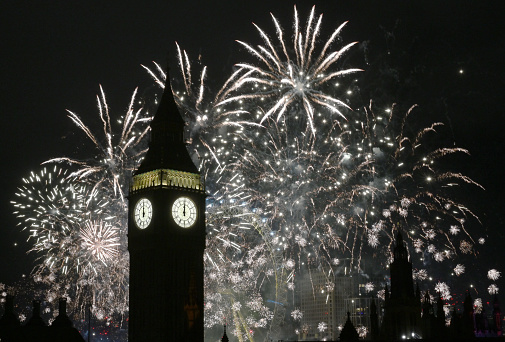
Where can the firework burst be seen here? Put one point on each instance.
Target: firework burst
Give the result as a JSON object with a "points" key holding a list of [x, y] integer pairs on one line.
{"points": [[297, 180], [101, 240], [119, 152], [291, 79], [215, 129], [345, 188], [76, 218], [74, 246]]}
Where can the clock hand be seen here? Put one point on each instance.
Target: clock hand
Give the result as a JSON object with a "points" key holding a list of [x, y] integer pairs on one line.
{"points": [[184, 210]]}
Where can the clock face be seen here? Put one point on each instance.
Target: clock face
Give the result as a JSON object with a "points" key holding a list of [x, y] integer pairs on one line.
{"points": [[143, 213], [184, 212]]}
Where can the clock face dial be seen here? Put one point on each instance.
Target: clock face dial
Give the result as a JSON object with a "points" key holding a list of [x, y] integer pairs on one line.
{"points": [[184, 212], [143, 213]]}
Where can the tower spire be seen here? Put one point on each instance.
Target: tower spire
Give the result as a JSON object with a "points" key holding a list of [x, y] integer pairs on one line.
{"points": [[166, 235], [167, 148], [400, 251]]}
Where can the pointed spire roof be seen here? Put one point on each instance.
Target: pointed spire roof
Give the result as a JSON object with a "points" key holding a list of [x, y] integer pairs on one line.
{"points": [[167, 148], [225, 337], [349, 332], [399, 239], [400, 251], [9, 318], [36, 320], [62, 320]]}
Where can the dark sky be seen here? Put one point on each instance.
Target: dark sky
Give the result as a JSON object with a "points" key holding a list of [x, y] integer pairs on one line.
{"points": [[56, 53]]}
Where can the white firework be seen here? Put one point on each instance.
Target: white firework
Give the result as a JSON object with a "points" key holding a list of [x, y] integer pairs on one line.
{"points": [[292, 81], [420, 274], [362, 331], [443, 290], [101, 239], [373, 239], [459, 269], [330, 286], [439, 257], [322, 326], [290, 263], [454, 230], [297, 314], [236, 306], [492, 289], [493, 274], [477, 305]]}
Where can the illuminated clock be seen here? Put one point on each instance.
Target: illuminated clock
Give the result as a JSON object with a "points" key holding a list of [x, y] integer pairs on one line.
{"points": [[184, 212], [143, 213]]}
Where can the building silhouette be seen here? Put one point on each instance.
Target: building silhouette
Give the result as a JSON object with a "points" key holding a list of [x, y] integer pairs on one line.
{"points": [[402, 305], [36, 329], [497, 317], [403, 315], [166, 236], [332, 295], [349, 333], [408, 316], [225, 337], [318, 304]]}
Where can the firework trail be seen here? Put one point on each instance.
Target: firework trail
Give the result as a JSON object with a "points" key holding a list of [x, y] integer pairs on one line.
{"points": [[329, 182], [238, 260], [296, 178], [50, 205], [236, 269], [101, 239], [77, 218], [215, 130], [348, 190], [118, 152], [291, 79], [76, 239], [331, 188], [265, 166]]}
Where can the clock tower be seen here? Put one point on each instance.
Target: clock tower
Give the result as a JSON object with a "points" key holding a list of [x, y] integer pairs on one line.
{"points": [[166, 236]]}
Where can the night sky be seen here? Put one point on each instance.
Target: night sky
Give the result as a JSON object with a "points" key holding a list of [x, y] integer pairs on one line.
{"points": [[448, 58]]}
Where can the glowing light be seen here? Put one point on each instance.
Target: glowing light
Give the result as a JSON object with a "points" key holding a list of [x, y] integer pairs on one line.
{"points": [[289, 81]]}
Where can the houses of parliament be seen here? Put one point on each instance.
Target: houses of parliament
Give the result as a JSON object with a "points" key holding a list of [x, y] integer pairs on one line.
{"points": [[405, 314]]}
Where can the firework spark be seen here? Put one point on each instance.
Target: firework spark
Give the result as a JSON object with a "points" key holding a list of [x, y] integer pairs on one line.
{"points": [[101, 239], [443, 290], [291, 83], [214, 129], [459, 269], [119, 152], [493, 274], [493, 289], [76, 218], [297, 180]]}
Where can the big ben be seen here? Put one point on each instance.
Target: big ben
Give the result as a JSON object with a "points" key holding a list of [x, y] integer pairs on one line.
{"points": [[166, 235]]}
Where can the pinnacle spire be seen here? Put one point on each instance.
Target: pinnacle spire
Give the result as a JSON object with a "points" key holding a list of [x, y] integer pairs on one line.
{"points": [[225, 337], [167, 148], [399, 238], [400, 251]]}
